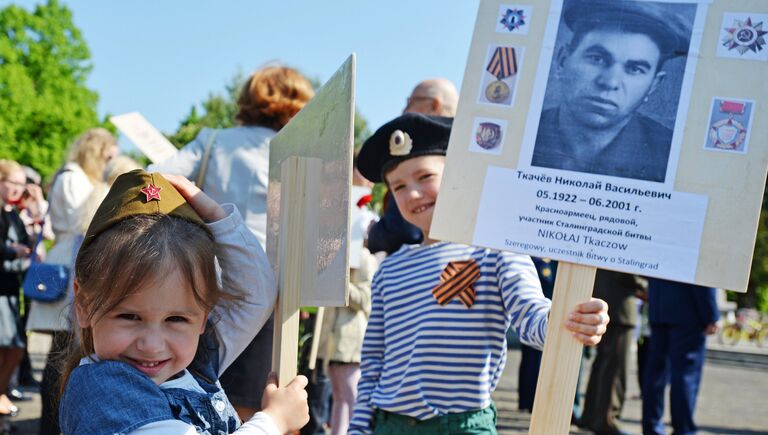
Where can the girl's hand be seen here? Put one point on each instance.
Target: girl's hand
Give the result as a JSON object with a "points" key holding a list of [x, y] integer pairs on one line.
{"points": [[588, 320], [208, 209], [287, 405]]}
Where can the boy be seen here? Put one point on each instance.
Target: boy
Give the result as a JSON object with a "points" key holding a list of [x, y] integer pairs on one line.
{"points": [[435, 345]]}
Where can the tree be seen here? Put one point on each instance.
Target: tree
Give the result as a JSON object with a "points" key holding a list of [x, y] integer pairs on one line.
{"points": [[757, 288], [44, 100]]}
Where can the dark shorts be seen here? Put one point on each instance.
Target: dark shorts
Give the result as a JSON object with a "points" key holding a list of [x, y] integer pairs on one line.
{"points": [[245, 379], [481, 421]]}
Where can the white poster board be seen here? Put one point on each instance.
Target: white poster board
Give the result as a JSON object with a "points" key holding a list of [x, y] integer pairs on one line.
{"points": [[321, 135], [145, 136], [674, 193]]}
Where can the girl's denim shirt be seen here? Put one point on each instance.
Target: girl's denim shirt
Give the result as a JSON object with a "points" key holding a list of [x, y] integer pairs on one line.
{"points": [[112, 397]]}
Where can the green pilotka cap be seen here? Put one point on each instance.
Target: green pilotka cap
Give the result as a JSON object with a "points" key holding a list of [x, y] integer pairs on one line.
{"points": [[139, 193]]}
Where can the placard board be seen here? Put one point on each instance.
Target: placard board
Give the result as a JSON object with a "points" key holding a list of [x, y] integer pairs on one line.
{"points": [[145, 136], [321, 132], [676, 187]]}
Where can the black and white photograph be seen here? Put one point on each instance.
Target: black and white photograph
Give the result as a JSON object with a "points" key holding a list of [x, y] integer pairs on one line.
{"points": [[614, 88]]}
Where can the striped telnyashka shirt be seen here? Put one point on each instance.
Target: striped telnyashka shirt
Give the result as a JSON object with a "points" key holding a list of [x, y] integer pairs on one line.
{"points": [[423, 359]]}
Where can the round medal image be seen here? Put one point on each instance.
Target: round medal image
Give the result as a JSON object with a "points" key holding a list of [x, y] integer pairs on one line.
{"points": [[727, 134], [488, 135], [497, 91], [746, 36]]}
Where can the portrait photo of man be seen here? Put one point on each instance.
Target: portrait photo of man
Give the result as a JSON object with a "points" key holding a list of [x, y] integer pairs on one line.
{"points": [[611, 57]]}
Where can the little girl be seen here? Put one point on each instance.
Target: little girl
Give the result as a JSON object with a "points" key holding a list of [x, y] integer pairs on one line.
{"points": [[158, 324]]}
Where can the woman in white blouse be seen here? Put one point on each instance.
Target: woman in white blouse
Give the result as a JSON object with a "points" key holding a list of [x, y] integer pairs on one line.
{"points": [[72, 185]]}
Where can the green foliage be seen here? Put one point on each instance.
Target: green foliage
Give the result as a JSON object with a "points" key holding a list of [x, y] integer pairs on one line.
{"points": [[44, 100], [757, 289]]}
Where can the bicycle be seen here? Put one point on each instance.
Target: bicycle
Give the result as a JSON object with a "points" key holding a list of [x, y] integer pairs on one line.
{"points": [[747, 327]]}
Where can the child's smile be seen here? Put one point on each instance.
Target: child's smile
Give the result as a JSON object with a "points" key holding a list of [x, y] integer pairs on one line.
{"points": [[415, 183], [156, 330], [423, 208]]}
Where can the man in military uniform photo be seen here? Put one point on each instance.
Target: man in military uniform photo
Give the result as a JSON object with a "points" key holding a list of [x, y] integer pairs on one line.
{"points": [[613, 62]]}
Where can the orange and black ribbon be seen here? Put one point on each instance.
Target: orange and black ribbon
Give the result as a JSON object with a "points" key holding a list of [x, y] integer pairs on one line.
{"points": [[456, 280], [503, 63]]}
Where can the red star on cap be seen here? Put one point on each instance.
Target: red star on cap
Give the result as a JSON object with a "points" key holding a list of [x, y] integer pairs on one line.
{"points": [[152, 192]]}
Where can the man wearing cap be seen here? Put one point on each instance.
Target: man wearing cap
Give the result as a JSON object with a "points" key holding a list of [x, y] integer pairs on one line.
{"points": [[612, 64]]}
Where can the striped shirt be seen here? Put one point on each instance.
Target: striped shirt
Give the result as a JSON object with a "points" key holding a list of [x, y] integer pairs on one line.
{"points": [[423, 359]]}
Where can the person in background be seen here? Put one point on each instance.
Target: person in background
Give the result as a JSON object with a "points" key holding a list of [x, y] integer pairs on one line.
{"points": [[72, 185], [115, 167], [32, 208], [234, 163], [607, 386], [530, 357], [681, 317], [15, 245], [431, 97]]}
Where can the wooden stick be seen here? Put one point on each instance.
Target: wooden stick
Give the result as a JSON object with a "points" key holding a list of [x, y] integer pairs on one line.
{"points": [[316, 337], [298, 212], [556, 386]]}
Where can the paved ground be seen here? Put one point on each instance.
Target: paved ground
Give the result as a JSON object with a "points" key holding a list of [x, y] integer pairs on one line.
{"points": [[733, 398]]}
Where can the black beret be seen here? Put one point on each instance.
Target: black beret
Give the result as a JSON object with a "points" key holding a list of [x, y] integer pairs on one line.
{"points": [[407, 136], [669, 30]]}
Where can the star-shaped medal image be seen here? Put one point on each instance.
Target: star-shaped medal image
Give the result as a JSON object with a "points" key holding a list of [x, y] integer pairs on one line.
{"points": [[513, 19], [152, 192], [745, 36]]}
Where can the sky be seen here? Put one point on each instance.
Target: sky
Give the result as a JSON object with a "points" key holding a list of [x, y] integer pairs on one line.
{"points": [[161, 57]]}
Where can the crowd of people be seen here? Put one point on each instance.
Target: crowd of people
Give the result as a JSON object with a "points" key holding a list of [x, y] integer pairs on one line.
{"points": [[165, 325]]}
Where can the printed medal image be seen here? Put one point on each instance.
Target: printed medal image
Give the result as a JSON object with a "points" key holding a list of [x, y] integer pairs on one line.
{"points": [[744, 36], [500, 76], [729, 125], [513, 19], [488, 135]]}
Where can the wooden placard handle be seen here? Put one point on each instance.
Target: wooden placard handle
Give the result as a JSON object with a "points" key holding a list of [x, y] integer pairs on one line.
{"points": [[312, 363], [298, 209], [556, 386]]}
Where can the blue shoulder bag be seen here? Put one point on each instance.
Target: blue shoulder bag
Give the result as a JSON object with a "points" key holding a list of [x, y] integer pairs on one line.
{"points": [[45, 282]]}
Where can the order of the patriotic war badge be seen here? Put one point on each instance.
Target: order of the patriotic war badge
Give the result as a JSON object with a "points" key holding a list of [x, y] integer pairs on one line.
{"points": [[745, 36], [513, 19]]}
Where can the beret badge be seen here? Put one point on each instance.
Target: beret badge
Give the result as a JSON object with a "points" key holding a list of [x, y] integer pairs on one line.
{"points": [[400, 143]]}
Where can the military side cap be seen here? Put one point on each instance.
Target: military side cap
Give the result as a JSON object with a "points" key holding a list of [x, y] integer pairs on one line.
{"points": [[668, 29], [407, 136], [139, 193]]}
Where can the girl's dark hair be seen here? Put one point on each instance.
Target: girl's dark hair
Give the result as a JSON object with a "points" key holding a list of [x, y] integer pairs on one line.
{"points": [[132, 254]]}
